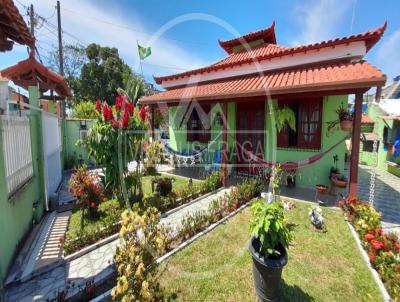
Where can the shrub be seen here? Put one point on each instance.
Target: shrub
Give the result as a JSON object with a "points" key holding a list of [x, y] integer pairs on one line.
{"points": [[142, 241], [212, 182], [163, 185], [383, 249], [248, 189], [153, 155], [269, 227], [88, 192], [85, 110]]}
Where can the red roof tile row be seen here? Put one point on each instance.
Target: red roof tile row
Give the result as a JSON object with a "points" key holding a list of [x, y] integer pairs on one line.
{"points": [[365, 119], [269, 51], [300, 79], [267, 34], [13, 25], [30, 72]]}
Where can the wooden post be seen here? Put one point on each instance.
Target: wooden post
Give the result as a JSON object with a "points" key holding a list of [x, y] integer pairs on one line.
{"points": [[152, 122], [355, 145], [225, 145]]}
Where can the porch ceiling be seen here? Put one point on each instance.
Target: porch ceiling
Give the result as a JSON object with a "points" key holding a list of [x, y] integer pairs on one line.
{"points": [[327, 77]]}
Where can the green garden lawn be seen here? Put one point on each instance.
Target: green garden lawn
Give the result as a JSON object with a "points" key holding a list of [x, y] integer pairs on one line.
{"points": [[92, 225], [322, 266]]}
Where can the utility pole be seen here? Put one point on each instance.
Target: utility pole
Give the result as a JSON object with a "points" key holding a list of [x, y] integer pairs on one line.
{"points": [[60, 48], [60, 53], [32, 21]]}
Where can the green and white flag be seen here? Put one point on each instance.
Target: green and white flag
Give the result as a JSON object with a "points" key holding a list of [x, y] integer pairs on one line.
{"points": [[144, 52]]}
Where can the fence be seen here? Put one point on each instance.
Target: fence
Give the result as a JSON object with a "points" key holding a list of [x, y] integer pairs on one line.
{"points": [[17, 151], [52, 151]]}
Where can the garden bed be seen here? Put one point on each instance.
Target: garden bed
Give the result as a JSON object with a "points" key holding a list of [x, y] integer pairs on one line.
{"points": [[109, 215], [322, 267]]}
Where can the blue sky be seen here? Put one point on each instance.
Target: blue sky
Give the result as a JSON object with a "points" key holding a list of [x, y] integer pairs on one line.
{"points": [[184, 34]]}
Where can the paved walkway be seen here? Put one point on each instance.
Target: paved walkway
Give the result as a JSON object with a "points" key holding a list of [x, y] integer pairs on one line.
{"points": [[97, 265], [387, 195]]}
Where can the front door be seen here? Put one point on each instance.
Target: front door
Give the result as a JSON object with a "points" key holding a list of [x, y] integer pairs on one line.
{"points": [[249, 134]]}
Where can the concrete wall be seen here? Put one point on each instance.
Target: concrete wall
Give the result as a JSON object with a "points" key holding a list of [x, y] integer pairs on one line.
{"points": [[74, 153], [317, 173], [17, 213]]}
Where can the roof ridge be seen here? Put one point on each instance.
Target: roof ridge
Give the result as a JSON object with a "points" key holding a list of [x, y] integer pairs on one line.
{"points": [[371, 37]]}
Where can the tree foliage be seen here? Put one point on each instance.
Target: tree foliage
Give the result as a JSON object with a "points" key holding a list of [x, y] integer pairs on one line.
{"points": [[102, 75], [85, 110]]}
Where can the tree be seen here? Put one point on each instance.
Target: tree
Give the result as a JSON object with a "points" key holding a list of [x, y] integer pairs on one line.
{"points": [[85, 110], [102, 75]]}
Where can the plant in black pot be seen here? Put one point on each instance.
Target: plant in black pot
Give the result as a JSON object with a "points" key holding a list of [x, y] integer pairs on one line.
{"points": [[271, 237]]}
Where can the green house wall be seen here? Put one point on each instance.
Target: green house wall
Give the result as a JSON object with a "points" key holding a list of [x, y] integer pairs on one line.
{"points": [[17, 213], [74, 153], [368, 158], [308, 176]]}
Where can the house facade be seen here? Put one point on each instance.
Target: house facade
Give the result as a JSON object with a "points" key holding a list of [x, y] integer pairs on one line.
{"points": [[385, 116], [233, 104]]}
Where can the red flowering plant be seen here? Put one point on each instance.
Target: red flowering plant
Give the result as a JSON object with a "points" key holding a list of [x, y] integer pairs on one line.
{"points": [[88, 191], [117, 138], [383, 249]]}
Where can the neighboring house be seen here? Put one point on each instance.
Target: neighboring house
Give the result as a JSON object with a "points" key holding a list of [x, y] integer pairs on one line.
{"points": [[386, 130], [313, 80], [392, 91]]}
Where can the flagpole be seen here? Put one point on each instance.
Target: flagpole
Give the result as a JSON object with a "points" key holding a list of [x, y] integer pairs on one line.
{"points": [[140, 60]]}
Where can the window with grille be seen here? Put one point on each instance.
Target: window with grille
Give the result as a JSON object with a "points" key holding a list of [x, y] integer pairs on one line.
{"points": [[308, 113]]}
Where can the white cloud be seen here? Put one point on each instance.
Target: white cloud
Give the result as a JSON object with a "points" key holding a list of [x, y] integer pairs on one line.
{"points": [[81, 19], [320, 20], [388, 54]]}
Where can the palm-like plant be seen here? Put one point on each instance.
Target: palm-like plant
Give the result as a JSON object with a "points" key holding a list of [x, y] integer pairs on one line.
{"points": [[136, 87]]}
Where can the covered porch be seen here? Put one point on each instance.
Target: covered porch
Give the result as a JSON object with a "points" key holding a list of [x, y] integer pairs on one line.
{"points": [[241, 108]]}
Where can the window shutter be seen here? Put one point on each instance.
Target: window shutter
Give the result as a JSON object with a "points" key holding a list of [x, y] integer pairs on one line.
{"points": [[189, 130], [205, 133]]}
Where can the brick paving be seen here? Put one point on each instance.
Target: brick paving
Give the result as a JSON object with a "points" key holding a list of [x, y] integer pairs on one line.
{"points": [[387, 195]]}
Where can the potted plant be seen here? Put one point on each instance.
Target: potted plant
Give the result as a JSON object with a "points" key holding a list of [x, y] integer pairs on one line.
{"points": [[345, 119], [271, 237], [322, 189], [334, 172], [339, 181]]}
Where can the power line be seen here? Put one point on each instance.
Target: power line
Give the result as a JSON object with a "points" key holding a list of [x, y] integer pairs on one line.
{"points": [[134, 29]]}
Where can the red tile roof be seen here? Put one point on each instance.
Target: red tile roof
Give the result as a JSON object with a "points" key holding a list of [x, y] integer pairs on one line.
{"points": [[299, 79], [267, 34], [13, 26], [30, 72], [365, 119], [268, 51]]}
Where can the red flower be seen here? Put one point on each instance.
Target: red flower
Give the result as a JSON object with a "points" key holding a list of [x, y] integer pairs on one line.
{"points": [[340, 204], [125, 119], [115, 124], [93, 205], [372, 257], [142, 113], [398, 268], [110, 115], [105, 110], [369, 237], [351, 200], [378, 231], [119, 102], [377, 245], [129, 108], [397, 246], [98, 106]]}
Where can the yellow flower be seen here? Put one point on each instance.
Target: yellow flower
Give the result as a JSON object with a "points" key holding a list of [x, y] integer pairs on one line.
{"points": [[122, 285], [139, 270]]}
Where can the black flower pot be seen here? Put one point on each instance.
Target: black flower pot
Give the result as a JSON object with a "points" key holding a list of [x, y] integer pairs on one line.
{"points": [[267, 272]]}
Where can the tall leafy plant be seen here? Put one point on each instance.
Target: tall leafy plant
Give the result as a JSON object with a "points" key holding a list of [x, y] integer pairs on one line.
{"points": [[117, 138], [284, 116]]}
